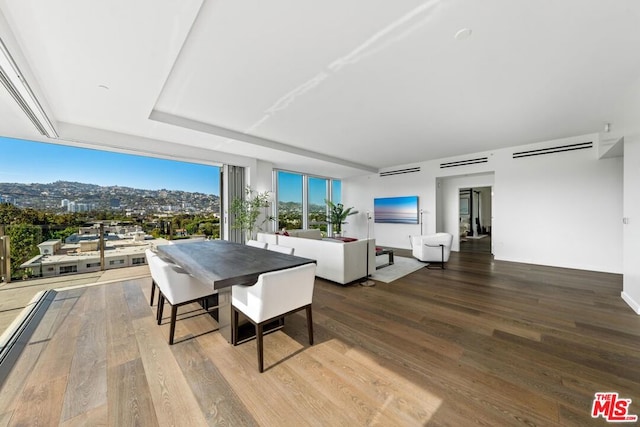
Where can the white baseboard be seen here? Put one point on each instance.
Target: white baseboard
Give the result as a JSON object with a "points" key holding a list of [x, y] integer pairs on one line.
{"points": [[632, 303]]}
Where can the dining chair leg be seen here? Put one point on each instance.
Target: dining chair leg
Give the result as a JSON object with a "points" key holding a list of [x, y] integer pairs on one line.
{"points": [[172, 328], [310, 324], [259, 341], [160, 307], [153, 291]]}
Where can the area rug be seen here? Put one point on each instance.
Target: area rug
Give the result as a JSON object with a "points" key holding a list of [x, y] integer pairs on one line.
{"points": [[401, 267], [482, 236]]}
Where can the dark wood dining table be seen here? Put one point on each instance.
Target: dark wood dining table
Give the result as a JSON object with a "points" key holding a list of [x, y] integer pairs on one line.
{"points": [[222, 264]]}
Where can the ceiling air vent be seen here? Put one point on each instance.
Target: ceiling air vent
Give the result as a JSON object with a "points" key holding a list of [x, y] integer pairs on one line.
{"points": [[400, 171], [464, 162], [551, 150]]}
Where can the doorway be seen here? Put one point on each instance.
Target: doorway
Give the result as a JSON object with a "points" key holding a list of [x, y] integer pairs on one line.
{"points": [[475, 219]]}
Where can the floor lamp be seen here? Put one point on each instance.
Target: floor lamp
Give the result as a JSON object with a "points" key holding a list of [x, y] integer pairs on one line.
{"points": [[367, 281]]}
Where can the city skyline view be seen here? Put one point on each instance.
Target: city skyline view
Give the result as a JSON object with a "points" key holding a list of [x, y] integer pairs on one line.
{"points": [[32, 162]]}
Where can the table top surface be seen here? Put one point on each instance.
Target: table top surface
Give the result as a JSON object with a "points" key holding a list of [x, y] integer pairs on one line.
{"points": [[221, 263]]}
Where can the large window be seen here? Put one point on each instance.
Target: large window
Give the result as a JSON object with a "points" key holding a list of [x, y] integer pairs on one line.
{"points": [[294, 188], [317, 207], [289, 194], [336, 191]]}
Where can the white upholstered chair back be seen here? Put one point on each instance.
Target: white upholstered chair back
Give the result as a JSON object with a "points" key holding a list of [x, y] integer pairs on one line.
{"points": [[176, 285], [256, 244], [276, 293], [282, 249]]}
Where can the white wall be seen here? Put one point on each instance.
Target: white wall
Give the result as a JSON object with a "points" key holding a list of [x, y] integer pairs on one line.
{"points": [[626, 123], [359, 192], [260, 180], [560, 209], [631, 281]]}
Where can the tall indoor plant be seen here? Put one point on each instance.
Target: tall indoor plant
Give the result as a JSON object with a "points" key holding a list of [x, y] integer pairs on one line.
{"points": [[251, 212], [337, 215]]}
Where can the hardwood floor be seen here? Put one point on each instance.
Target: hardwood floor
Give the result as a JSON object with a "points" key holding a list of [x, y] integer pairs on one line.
{"points": [[482, 342]]}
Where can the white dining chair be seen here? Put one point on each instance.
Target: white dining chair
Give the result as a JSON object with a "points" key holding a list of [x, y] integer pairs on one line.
{"points": [[279, 248], [176, 286], [170, 242], [275, 295], [150, 254], [256, 244]]}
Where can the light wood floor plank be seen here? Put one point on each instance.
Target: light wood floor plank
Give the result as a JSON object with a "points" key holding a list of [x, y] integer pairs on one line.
{"points": [[41, 403], [172, 398], [122, 346], [216, 397], [87, 387], [96, 417], [130, 401]]}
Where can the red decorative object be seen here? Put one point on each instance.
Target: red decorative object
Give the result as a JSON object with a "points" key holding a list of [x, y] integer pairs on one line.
{"points": [[346, 239]]}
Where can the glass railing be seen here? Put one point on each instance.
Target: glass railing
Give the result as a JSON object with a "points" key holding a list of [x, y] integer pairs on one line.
{"points": [[34, 259]]}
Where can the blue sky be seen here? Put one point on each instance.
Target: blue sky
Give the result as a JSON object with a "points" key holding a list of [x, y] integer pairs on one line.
{"points": [[290, 189], [35, 162]]}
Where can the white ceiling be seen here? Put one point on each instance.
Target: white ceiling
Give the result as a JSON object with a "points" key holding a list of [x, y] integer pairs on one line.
{"points": [[336, 88]]}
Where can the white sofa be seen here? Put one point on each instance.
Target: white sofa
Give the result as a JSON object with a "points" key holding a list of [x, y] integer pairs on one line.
{"points": [[341, 262]]}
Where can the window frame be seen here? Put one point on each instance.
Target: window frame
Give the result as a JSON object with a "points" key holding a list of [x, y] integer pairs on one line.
{"points": [[330, 183]]}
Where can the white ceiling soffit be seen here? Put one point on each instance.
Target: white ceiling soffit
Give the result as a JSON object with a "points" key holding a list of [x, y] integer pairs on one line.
{"points": [[239, 136], [336, 87], [20, 107]]}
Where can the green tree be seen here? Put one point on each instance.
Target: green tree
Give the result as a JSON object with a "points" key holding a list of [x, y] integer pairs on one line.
{"points": [[249, 209], [63, 234], [9, 213], [25, 239]]}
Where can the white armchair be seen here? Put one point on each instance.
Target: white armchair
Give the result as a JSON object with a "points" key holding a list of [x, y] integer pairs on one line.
{"points": [[275, 294], [432, 247]]}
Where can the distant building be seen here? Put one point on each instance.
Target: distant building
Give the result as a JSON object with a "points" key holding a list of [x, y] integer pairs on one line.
{"points": [[56, 259], [50, 247], [79, 207]]}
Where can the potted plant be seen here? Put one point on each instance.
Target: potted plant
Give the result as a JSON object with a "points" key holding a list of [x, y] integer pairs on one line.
{"points": [[337, 216], [248, 210]]}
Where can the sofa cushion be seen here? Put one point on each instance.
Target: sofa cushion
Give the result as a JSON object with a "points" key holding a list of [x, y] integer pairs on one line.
{"points": [[310, 233]]}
